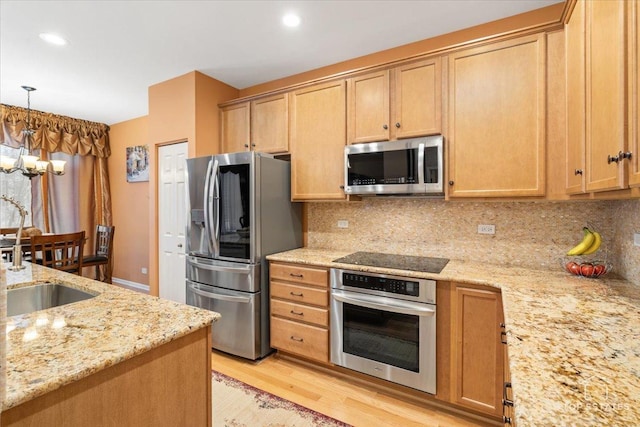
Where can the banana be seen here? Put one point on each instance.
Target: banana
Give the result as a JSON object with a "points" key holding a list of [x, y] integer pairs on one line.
{"points": [[597, 241], [585, 244]]}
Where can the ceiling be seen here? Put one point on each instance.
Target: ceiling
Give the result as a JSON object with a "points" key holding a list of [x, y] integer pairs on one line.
{"points": [[117, 49]]}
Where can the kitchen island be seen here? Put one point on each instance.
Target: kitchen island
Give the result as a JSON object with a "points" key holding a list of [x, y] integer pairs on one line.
{"points": [[120, 358], [573, 343]]}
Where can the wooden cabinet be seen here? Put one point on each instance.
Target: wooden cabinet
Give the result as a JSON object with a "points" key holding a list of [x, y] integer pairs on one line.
{"points": [[300, 310], [235, 127], [476, 349], [398, 103], [633, 21], [260, 125], [497, 119], [270, 124], [317, 125], [602, 96]]}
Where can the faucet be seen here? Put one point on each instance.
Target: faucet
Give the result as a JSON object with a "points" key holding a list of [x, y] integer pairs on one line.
{"points": [[17, 250]]}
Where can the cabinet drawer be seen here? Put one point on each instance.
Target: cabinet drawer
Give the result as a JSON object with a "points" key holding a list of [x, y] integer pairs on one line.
{"points": [[304, 340], [293, 273], [299, 312], [303, 294]]}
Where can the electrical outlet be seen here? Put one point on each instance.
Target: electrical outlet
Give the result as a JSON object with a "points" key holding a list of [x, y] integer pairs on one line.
{"points": [[486, 229], [144, 270], [343, 223], [636, 239]]}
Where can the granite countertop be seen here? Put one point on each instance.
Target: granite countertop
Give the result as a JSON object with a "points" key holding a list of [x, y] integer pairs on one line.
{"points": [[50, 348], [573, 343]]}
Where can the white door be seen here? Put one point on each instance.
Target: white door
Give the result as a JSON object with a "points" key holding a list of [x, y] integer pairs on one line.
{"points": [[172, 221]]}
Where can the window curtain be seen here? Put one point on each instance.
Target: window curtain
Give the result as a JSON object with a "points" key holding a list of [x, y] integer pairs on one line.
{"points": [[84, 188]]}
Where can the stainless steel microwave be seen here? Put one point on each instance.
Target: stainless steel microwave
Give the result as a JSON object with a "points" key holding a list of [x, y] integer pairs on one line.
{"points": [[409, 166]]}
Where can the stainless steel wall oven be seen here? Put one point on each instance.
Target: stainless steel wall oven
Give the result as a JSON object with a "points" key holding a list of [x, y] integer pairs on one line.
{"points": [[385, 326]]}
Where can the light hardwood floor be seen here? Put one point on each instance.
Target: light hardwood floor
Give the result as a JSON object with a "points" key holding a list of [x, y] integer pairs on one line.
{"points": [[333, 395]]}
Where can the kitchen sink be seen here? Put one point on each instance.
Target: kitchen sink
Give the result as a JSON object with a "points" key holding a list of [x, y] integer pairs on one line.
{"points": [[42, 296]]}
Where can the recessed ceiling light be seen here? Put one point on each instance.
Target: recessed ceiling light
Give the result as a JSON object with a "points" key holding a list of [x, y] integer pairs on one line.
{"points": [[291, 20], [53, 39]]}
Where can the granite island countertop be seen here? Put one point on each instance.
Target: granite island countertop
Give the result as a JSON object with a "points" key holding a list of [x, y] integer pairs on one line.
{"points": [[51, 348], [573, 343]]}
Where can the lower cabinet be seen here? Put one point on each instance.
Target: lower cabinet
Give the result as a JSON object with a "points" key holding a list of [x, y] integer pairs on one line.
{"points": [[477, 355], [300, 310]]}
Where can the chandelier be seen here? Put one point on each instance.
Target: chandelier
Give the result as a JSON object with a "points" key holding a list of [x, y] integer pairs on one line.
{"points": [[27, 163]]}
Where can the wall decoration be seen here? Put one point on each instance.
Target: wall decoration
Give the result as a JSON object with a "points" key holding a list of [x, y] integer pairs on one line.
{"points": [[138, 163]]}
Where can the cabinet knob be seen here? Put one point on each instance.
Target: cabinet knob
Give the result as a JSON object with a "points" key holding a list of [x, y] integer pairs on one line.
{"points": [[385, 127], [450, 182], [506, 420], [253, 145], [246, 145], [626, 155], [398, 124], [611, 159], [577, 172], [342, 187], [179, 245]]}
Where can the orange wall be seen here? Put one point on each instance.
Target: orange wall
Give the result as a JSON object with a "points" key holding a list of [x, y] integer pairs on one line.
{"points": [[181, 109], [130, 204]]}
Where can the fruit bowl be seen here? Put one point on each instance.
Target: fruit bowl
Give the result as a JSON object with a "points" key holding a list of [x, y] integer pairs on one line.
{"points": [[590, 269]]}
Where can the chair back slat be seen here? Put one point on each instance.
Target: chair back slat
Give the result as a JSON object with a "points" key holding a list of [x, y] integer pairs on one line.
{"points": [[59, 251]]}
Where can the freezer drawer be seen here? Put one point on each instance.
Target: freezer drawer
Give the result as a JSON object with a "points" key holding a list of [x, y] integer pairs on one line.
{"points": [[223, 274], [239, 329]]}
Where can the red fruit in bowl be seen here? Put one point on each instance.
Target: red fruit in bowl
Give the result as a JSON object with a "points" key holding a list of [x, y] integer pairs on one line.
{"points": [[573, 267], [587, 269], [599, 269]]}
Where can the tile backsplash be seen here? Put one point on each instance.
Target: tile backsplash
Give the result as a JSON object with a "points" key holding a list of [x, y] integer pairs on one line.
{"points": [[531, 233]]}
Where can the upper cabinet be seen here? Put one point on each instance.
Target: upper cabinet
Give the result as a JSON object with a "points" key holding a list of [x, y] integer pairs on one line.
{"points": [[602, 41], [259, 125], [270, 124], [235, 127], [402, 102], [634, 91], [317, 124], [497, 119]]}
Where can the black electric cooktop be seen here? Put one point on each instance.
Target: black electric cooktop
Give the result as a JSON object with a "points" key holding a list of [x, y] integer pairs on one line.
{"points": [[397, 262]]}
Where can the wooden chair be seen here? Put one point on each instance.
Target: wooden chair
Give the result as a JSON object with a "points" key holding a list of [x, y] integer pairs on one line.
{"points": [[103, 253], [59, 251], [8, 230]]}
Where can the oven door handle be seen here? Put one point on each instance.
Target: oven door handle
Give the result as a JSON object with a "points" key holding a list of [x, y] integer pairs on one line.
{"points": [[388, 304]]}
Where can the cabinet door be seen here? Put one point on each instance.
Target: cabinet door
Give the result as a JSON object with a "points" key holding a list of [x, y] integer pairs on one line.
{"points": [[418, 99], [270, 124], [605, 82], [477, 370], [634, 94], [318, 136], [235, 128], [575, 40], [368, 107], [497, 119]]}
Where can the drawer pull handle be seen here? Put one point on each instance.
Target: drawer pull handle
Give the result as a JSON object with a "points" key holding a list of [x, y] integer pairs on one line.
{"points": [[297, 313], [296, 339], [296, 294], [300, 276]]}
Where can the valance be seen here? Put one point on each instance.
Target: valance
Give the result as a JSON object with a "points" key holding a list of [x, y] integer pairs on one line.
{"points": [[54, 133]]}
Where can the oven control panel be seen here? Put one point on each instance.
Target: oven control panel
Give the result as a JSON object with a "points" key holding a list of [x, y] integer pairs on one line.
{"points": [[383, 284]]}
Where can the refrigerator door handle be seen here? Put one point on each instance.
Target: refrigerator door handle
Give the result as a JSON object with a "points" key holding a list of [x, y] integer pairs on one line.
{"points": [[205, 266], [207, 211], [216, 199], [231, 298]]}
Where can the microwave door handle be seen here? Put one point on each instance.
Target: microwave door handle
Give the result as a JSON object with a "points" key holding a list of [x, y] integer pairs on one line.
{"points": [[396, 307], [421, 179], [230, 298], [214, 223]]}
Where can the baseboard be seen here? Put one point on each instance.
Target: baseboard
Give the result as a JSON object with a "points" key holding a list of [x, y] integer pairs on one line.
{"points": [[134, 286]]}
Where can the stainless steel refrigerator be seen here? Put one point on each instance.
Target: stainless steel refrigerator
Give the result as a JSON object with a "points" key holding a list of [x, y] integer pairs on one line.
{"points": [[239, 210]]}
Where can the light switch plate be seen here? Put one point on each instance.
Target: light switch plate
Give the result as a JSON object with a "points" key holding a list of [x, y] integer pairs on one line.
{"points": [[636, 239], [486, 229], [343, 223]]}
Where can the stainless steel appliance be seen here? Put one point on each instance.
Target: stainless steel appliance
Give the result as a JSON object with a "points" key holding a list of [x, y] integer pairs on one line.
{"points": [[385, 326], [239, 210], [409, 166]]}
